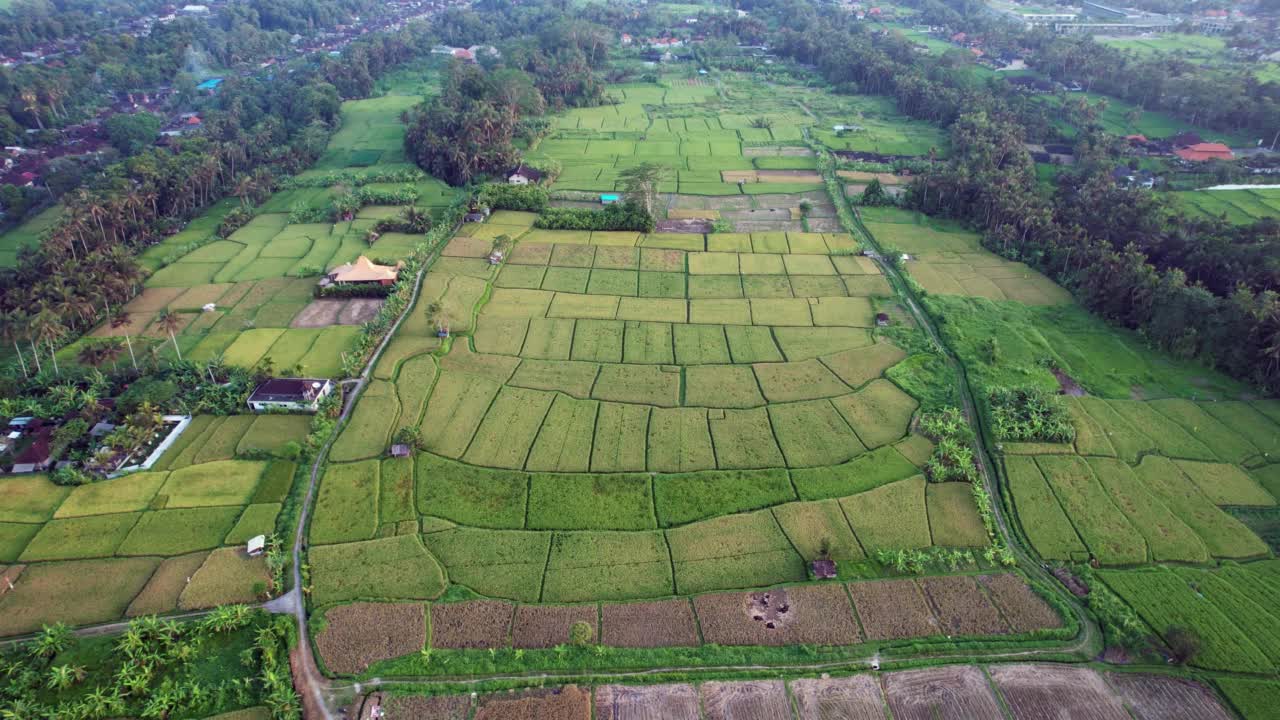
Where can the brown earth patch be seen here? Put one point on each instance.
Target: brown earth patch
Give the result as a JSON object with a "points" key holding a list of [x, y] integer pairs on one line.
{"points": [[566, 703], [961, 607], [691, 227], [943, 692], [1021, 606], [693, 214], [892, 609], [1067, 384], [805, 615], [471, 624], [416, 707], [1053, 691], [866, 177], [546, 626], [318, 314], [651, 702], [357, 635], [825, 224], [662, 623], [1160, 697], [856, 697], [359, 311], [750, 700], [302, 684]]}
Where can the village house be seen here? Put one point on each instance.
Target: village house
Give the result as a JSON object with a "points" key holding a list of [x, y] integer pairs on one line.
{"points": [[1202, 152], [299, 394], [362, 271], [524, 175]]}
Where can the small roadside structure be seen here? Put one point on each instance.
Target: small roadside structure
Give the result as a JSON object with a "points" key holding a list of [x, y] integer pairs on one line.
{"points": [[301, 394], [256, 546], [882, 320], [363, 272], [400, 450], [609, 198], [824, 569], [495, 257], [524, 175]]}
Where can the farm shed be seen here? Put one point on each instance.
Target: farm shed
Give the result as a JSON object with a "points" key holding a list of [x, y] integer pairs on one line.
{"points": [[290, 394]]}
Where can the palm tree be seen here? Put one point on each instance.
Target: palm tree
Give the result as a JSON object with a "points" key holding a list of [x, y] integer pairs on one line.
{"points": [[170, 322], [643, 180], [119, 320], [12, 328], [48, 329]]}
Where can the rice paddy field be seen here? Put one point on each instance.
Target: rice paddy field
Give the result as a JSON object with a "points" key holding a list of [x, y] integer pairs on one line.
{"points": [[27, 234], [1238, 206], [149, 542], [642, 396], [260, 279], [947, 260]]}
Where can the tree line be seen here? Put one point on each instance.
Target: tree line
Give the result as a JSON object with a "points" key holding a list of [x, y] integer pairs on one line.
{"points": [[470, 128], [256, 130]]}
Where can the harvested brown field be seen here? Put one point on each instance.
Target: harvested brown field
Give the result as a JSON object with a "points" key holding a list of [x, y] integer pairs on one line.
{"points": [[771, 176], [468, 247], [893, 609], [662, 623], [806, 615], [961, 607], [530, 254], [648, 702], [566, 703], [416, 707], [546, 626], [748, 700], [1021, 606], [161, 592], [471, 624], [1160, 697], [324, 313], [357, 635], [940, 693], [851, 698], [1054, 691], [9, 576]]}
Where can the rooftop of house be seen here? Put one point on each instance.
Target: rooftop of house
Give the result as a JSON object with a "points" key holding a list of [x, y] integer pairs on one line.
{"points": [[527, 172], [1205, 151], [364, 270], [288, 390]]}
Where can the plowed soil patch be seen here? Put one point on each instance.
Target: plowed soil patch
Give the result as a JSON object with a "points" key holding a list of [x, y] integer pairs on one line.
{"points": [[1159, 697], [1054, 691], [755, 700], [940, 694], [653, 702], [566, 703], [851, 698]]}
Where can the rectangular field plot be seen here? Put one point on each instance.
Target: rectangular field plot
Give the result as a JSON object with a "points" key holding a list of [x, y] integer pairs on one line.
{"points": [[611, 566], [732, 551]]}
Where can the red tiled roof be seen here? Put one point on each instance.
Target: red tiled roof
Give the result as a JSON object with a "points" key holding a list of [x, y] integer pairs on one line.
{"points": [[1205, 151]]}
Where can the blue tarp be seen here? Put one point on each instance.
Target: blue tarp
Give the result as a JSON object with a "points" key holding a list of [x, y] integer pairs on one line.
{"points": [[210, 84]]}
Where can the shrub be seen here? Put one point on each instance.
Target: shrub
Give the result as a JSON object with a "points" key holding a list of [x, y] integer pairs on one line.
{"points": [[629, 215], [1184, 644], [530, 198], [1030, 414], [581, 634], [69, 476]]}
